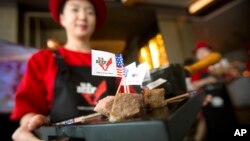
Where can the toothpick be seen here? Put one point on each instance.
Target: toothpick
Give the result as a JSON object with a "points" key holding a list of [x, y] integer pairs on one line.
{"points": [[118, 89], [124, 84], [128, 89]]}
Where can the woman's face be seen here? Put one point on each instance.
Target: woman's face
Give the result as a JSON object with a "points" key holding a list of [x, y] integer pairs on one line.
{"points": [[78, 18], [202, 53]]}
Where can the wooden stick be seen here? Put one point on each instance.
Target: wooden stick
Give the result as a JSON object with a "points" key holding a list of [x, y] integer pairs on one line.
{"points": [[78, 119], [175, 101], [128, 88], [88, 117], [125, 89], [176, 97], [124, 84], [118, 89]]}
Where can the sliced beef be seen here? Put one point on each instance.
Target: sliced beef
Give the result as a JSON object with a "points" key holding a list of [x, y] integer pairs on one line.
{"points": [[104, 105], [126, 106], [154, 98]]}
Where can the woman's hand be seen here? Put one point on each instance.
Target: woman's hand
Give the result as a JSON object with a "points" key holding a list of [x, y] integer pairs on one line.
{"points": [[28, 123]]}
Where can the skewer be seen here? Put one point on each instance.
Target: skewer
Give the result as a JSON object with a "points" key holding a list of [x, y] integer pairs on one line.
{"points": [[176, 101], [180, 96], [176, 97], [78, 119]]}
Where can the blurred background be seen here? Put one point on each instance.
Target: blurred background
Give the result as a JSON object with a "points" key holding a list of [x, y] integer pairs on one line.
{"points": [[158, 32]]}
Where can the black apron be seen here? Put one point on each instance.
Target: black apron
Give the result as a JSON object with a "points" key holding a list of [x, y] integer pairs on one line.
{"points": [[221, 119], [76, 91]]}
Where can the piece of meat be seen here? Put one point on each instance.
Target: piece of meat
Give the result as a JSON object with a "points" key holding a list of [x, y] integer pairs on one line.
{"points": [[104, 105], [158, 113], [154, 98], [126, 106]]}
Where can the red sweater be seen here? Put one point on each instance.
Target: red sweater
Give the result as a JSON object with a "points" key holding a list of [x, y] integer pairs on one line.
{"points": [[199, 75], [36, 89]]}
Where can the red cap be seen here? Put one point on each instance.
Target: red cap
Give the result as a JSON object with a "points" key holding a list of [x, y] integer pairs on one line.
{"points": [[201, 44], [99, 5]]}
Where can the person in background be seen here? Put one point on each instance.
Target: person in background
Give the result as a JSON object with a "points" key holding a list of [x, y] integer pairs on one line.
{"points": [[198, 80], [217, 115], [202, 50], [58, 84]]}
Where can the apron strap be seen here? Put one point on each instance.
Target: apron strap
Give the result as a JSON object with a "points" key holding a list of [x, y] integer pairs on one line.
{"points": [[61, 76], [63, 69], [59, 59]]}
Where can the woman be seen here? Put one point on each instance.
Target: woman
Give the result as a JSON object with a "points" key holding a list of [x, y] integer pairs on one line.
{"points": [[217, 116], [59, 83]]}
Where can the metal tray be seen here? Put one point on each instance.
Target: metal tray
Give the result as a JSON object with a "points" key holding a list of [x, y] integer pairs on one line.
{"points": [[170, 123]]}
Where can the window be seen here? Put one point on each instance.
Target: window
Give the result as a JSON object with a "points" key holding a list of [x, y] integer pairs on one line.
{"points": [[154, 53]]}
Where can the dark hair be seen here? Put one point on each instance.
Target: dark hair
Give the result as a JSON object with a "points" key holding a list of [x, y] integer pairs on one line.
{"points": [[62, 7]]}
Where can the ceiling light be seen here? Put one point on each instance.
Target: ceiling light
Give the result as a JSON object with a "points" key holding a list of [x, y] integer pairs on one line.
{"points": [[198, 5], [129, 2]]}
